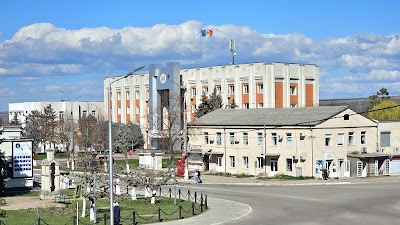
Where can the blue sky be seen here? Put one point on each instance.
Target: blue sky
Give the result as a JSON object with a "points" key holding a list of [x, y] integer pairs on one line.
{"points": [[47, 46]]}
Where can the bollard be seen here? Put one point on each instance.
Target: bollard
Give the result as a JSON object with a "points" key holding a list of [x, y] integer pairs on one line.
{"points": [[195, 197], [192, 208], [38, 220], [169, 193], [160, 191], [105, 219], [188, 194], [179, 192], [205, 202], [159, 214], [134, 217], [180, 212]]}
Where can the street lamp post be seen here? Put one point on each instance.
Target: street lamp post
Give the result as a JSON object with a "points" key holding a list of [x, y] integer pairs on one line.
{"points": [[110, 161], [72, 130]]}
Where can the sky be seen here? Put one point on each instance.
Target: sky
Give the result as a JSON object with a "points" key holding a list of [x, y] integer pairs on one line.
{"points": [[48, 47]]}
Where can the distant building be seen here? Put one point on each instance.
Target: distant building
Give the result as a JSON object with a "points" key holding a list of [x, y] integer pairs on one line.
{"points": [[62, 108], [296, 142], [251, 86]]}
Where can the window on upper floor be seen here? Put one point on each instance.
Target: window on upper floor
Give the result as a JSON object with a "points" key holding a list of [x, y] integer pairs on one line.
{"points": [[137, 95], [84, 113], [206, 140], [61, 115], [363, 137], [194, 92], [205, 90], [245, 88], [289, 140], [232, 138], [260, 139], [274, 139], [245, 138], [293, 90], [219, 138], [119, 110], [118, 95], [351, 138], [127, 96], [328, 140], [94, 113], [218, 90], [231, 90], [340, 140], [260, 88], [385, 138]]}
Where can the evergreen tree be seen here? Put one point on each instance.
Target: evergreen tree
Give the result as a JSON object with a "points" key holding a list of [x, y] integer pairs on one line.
{"points": [[233, 104], [3, 172], [213, 102]]}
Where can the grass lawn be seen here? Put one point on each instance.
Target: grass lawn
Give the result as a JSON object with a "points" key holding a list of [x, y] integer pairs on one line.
{"points": [[145, 212]]}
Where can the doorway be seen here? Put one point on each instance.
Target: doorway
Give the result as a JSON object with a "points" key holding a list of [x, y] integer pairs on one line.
{"points": [[274, 167]]}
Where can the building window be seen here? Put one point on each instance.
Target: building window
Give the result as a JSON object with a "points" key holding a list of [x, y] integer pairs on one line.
{"points": [[232, 161], [137, 110], [94, 113], [293, 105], [293, 90], [128, 110], [219, 161], [193, 108], [218, 89], [274, 139], [246, 106], [351, 138], [118, 95], [232, 138], [137, 95], [245, 162], [194, 92], [205, 90], [206, 140], [245, 88], [260, 88], [231, 90], [385, 139], [260, 105], [363, 137], [289, 165], [260, 138], [127, 95], [118, 111], [328, 140], [219, 138], [289, 140], [260, 162], [246, 138], [340, 139], [84, 113], [61, 115]]}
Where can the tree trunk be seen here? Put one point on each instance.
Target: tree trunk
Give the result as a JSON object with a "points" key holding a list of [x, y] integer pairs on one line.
{"points": [[126, 161]]}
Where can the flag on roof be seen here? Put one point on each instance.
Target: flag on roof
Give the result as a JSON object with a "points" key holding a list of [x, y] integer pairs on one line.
{"points": [[206, 33]]}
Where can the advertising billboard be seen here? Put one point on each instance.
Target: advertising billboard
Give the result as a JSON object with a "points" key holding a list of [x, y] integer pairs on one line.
{"points": [[22, 161]]}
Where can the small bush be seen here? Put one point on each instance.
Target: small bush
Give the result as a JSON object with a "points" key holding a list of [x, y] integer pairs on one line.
{"points": [[3, 213]]}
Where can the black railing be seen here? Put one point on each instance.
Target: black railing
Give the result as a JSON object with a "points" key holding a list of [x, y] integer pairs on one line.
{"points": [[158, 216]]}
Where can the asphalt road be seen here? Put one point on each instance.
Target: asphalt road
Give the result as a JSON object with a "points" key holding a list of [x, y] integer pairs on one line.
{"points": [[360, 203]]}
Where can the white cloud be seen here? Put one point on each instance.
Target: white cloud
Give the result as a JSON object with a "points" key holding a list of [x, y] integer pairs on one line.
{"points": [[44, 50]]}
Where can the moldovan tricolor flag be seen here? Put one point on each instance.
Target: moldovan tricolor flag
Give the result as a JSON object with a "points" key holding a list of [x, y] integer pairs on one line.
{"points": [[206, 33]]}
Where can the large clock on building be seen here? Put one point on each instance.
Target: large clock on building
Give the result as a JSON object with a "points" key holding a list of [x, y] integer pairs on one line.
{"points": [[163, 78]]}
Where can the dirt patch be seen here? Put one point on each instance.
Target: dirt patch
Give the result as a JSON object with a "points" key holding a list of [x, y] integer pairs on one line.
{"points": [[15, 203]]}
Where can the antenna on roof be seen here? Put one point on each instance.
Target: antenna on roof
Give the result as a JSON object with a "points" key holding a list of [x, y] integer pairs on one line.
{"points": [[232, 47]]}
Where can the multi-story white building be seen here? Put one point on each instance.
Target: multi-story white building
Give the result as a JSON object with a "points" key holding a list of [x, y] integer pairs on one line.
{"points": [[62, 109], [252, 85]]}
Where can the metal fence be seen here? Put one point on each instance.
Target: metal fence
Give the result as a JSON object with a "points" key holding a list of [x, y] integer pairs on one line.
{"points": [[158, 216]]}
